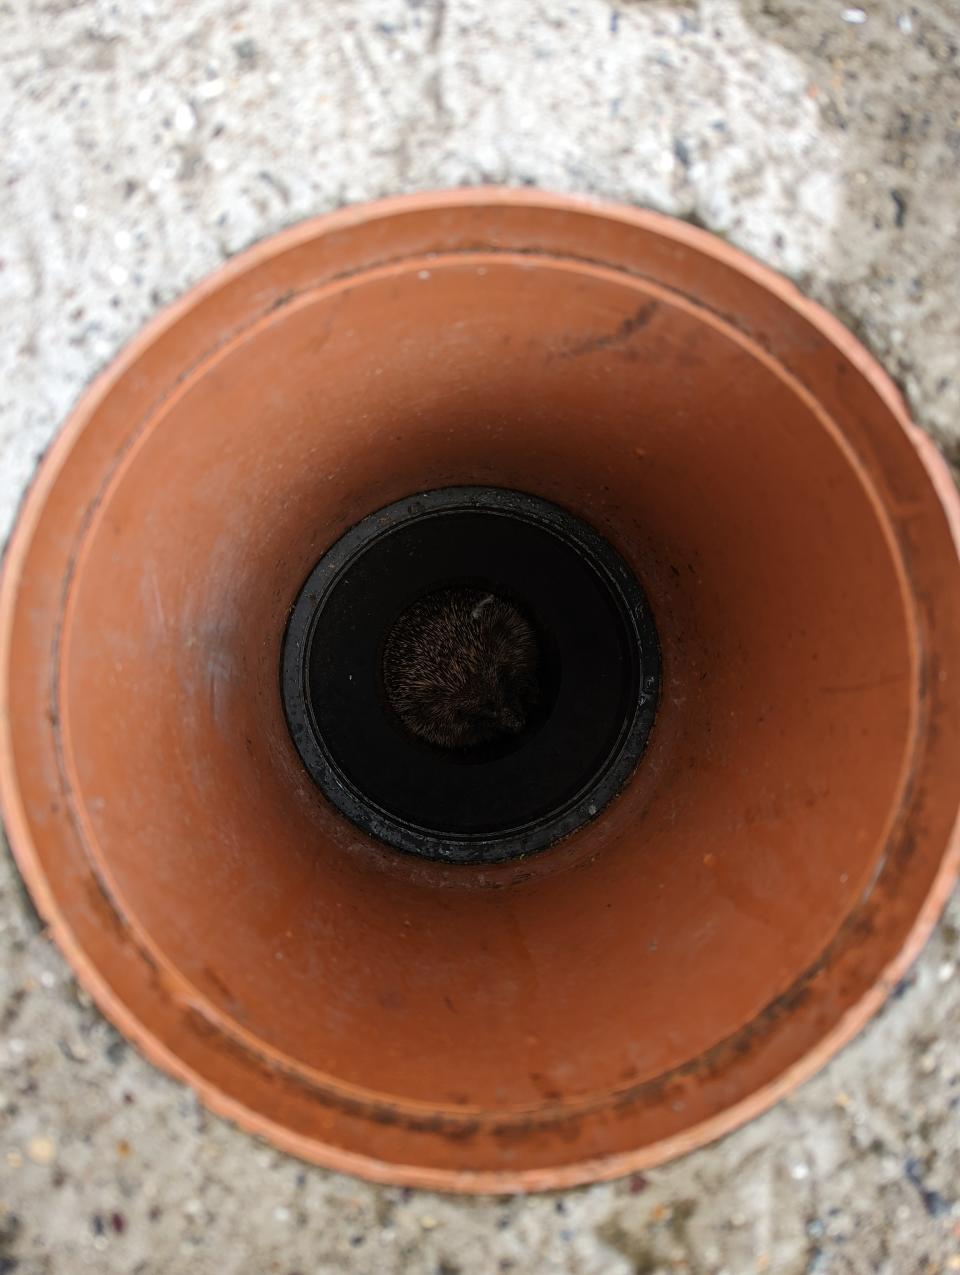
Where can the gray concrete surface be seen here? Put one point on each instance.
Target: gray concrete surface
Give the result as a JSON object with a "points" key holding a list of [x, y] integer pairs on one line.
{"points": [[143, 143]]}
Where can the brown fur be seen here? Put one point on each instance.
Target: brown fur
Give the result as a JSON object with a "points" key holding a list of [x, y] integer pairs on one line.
{"points": [[460, 669]]}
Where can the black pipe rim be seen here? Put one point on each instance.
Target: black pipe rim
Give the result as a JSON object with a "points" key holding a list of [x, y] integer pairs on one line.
{"points": [[641, 676]]}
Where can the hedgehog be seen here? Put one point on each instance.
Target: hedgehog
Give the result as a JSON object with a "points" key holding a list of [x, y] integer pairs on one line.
{"points": [[460, 669]]}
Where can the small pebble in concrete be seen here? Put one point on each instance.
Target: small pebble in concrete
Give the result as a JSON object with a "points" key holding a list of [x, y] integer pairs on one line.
{"points": [[905, 23], [41, 1149], [210, 89], [184, 118], [856, 16]]}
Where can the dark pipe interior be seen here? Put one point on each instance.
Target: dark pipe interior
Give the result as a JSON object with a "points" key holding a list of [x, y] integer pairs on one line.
{"points": [[470, 674]]}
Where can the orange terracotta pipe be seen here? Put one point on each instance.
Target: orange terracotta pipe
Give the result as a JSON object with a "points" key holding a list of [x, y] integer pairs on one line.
{"points": [[733, 916]]}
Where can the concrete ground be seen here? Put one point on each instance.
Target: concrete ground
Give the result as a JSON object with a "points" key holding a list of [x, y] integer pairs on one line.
{"points": [[145, 142]]}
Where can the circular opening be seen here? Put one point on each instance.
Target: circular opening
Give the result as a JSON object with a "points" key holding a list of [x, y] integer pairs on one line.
{"points": [[470, 674]]}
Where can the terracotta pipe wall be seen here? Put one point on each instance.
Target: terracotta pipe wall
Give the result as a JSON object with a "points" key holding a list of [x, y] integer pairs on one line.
{"points": [[787, 839]]}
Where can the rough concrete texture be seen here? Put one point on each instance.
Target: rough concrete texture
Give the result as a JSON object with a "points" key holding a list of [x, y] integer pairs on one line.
{"points": [[143, 144]]}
